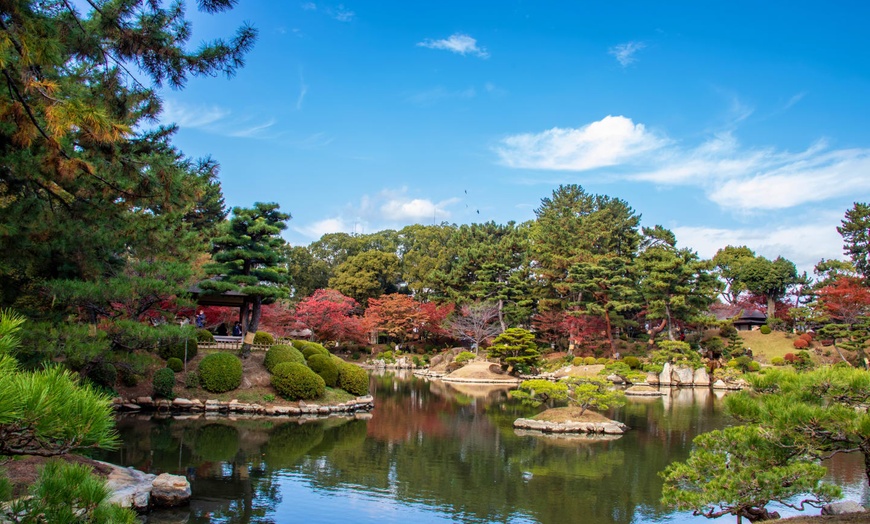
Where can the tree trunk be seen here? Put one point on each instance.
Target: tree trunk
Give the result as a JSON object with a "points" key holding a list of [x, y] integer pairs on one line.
{"points": [[500, 315], [655, 330], [610, 334], [670, 323], [771, 307]]}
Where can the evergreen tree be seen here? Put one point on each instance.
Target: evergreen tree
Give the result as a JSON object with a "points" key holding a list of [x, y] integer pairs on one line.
{"points": [[606, 289], [856, 237], [247, 254]]}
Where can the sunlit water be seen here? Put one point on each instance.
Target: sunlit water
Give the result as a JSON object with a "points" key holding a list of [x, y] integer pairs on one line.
{"points": [[431, 453]]}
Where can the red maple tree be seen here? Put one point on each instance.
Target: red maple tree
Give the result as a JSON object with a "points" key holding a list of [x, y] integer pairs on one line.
{"points": [[846, 300], [330, 315], [398, 316]]}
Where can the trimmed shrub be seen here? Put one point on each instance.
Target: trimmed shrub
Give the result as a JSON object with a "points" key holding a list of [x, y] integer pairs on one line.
{"points": [[463, 357], [177, 349], [777, 361], [263, 338], [800, 343], [325, 367], [299, 344], [175, 364], [164, 382], [297, 382], [578, 361], [313, 348], [204, 335], [803, 361], [807, 336], [589, 361], [754, 366], [632, 362], [353, 379], [765, 330], [790, 358], [282, 353], [602, 361], [220, 372], [191, 381], [103, 374]]}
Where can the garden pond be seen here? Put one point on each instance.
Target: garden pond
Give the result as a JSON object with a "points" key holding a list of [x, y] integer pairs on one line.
{"points": [[431, 452]]}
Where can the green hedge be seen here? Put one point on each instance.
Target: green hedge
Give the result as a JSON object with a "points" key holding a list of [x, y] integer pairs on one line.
{"points": [[299, 344], [633, 362], [297, 382], [164, 382], [280, 353], [464, 356], [325, 367], [204, 335], [353, 379], [765, 330], [313, 348], [104, 374], [175, 364], [220, 372], [266, 339]]}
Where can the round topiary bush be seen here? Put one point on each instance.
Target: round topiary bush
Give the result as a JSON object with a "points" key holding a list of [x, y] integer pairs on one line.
{"points": [[632, 362], [175, 364], [204, 335], [263, 338], [103, 374], [191, 381], [299, 344], [589, 361], [602, 361], [297, 382], [777, 361], [578, 361], [765, 330], [353, 379], [754, 366], [164, 382], [313, 348], [325, 367], [282, 353], [800, 343], [220, 372], [464, 356], [177, 349]]}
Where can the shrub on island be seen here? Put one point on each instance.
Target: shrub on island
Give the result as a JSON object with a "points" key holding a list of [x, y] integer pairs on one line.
{"points": [[325, 367], [280, 353], [353, 379], [297, 382], [220, 372]]}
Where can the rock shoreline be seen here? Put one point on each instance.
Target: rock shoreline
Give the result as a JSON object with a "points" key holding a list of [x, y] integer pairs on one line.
{"points": [[183, 405]]}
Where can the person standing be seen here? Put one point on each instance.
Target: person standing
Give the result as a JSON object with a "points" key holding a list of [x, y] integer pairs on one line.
{"points": [[237, 329], [200, 319]]}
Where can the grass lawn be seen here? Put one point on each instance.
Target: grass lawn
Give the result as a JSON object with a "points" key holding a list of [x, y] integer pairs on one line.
{"points": [[765, 347]]}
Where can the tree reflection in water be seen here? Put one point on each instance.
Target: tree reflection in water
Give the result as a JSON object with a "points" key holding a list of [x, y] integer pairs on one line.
{"points": [[441, 452]]}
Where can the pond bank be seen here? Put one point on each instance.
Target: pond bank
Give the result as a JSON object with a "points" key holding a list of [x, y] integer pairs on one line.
{"points": [[183, 405]]}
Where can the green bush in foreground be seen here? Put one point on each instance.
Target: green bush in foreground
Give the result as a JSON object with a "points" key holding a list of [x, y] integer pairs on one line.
{"points": [[777, 361], [220, 372], [325, 367], [280, 353], [353, 379], [765, 330], [313, 348], [175, 364], [164, 382], [263, 338], [297, 382], [204, 335]]}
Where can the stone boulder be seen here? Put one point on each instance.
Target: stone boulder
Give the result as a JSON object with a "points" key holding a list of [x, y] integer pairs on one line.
{"points": [[665, 377], [702, 378], [169, 491], [129, 487], [842, 508], [683, 376], [652, 379]]}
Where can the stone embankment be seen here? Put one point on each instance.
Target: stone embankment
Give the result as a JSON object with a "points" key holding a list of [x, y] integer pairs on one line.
{"points": [[611, 427], [687, 377], [141, 491], [183, 405]]}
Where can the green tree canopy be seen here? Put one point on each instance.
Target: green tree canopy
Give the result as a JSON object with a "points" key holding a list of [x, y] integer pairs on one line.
{"points": [[855, 230]]}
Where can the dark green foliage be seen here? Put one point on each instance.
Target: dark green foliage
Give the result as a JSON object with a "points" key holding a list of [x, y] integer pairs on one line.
{"points": [[164, 383], [191, 381], [220, 372], [632, 362], [297, 382], [103, 374], [204, 335], [677, 353], [353, 379], [855, 231], [313, 348], [175, 364], [765, 330], [281, 353], [325, 367], [176, 349], [516, 347], [216, 442], [42, 342], [263, 338]]}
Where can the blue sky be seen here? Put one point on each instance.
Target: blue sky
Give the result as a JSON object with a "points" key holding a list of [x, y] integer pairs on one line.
{"points": [[727, 122]]}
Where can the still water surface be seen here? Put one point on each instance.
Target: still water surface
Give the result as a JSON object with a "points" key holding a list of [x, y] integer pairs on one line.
{"points": [[430, 453]]}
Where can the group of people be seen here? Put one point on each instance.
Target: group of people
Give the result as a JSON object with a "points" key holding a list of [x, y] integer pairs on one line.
{"points": [[221, 329]]}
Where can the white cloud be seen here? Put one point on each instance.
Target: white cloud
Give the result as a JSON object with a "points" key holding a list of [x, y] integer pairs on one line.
{"points": [[736, 178], [456, 43], [804, 244], [341, 13], [318, 229], [303, 90], [252, 131], [191, 116], [624, 53], [610, 141], [415, 209]]}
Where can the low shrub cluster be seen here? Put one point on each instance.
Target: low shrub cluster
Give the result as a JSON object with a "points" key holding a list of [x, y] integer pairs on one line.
{"points": [[297, 382], [463, 357], [177, 349], [220, 372], [325, 367], [632, 362], [777, 361], [589, 361], [765, 330], [263, 338], [164, 383], [313, 348], [800, 343], [103, 374], [175, 364], [353, 379], [280, 353], [204, 335]]}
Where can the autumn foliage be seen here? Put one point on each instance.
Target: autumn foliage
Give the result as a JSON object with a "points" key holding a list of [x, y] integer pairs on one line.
{"points": [[846, 300], [330, 315]]}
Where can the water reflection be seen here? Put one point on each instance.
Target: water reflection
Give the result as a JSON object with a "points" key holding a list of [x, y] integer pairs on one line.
{"points": [[431, 452]]}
